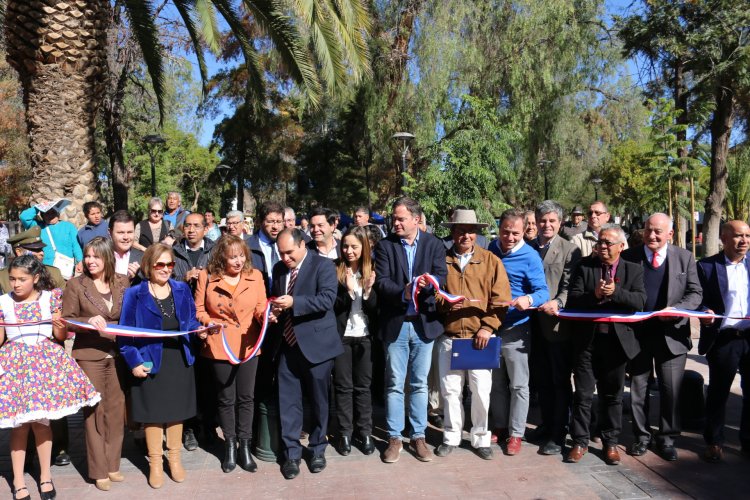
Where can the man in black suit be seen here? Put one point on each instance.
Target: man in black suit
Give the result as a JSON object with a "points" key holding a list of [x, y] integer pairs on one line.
{"points": [[671, 280], [726, 343], [322, 226], [262, 244], [305, 285], [127, 258], [603, 282], [408, 333]]}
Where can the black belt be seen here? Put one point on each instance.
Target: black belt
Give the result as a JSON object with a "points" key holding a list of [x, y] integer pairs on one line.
{"points": [[413, 317], [734, 332]]}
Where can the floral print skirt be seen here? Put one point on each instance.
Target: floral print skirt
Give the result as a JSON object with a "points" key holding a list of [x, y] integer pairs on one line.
{"points": [[40, 382]]}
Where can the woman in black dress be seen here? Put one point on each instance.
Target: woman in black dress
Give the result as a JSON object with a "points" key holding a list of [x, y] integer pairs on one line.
{"points": [[163, 388]]}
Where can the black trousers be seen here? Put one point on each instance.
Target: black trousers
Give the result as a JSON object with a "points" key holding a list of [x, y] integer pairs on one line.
{"points": [[235, 395], [670, 369], [600, 362], [728, 354], [296, 374], [553, 367], [352, 378], [205, 392]]}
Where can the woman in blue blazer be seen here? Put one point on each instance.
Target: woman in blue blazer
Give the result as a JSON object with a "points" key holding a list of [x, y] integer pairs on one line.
{"points": [[163, 385]]}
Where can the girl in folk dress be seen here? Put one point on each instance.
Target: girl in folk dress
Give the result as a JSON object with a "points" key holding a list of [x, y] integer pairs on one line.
{"points": [[38, 381]]}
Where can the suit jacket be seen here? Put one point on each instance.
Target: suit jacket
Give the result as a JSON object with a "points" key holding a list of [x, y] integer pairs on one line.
{"points": [[343, 306], [259, 260], [392, 276], [712, 273], [561, 257], [629, 297], [313, 319], [683, 292], [81, 302], [139, 309]]}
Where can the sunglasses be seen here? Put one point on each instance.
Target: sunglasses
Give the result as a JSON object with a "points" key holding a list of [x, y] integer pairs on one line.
{"points": [[157, 211], [595, 212], [161, 265], [605, 243]]}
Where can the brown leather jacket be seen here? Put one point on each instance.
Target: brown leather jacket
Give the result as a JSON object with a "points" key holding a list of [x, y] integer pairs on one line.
{"points": [[483, 279]]}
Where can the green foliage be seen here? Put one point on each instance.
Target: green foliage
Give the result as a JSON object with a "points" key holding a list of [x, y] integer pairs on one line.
{"points": [[737, 202]]}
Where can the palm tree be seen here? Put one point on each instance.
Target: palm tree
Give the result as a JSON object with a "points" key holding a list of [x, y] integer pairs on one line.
{"points": [[59, 49]]}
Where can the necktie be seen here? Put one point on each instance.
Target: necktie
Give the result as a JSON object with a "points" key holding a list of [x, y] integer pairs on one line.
{"points": [[288, 328], [654, 262]]}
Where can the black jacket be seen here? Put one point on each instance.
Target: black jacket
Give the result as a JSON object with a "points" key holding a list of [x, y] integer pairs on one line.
{"points": [[343, 306]]}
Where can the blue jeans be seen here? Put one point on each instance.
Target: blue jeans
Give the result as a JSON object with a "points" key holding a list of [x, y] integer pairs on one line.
{"points": [[413, 352]]}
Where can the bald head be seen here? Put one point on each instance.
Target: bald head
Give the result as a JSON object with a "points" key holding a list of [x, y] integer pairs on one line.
{"points": [[735, 236], [657, 231]]}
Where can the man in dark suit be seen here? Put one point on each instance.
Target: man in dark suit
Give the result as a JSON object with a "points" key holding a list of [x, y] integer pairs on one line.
{"points": [[127, 258], [726, 343], [603, 282], [408, 333], [322, 226], [671, 280], [551, 350], [262, 244], [305, 285]]}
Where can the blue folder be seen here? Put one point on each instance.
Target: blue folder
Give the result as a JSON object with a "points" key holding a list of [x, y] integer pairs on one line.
{"points": [[465, 357]]}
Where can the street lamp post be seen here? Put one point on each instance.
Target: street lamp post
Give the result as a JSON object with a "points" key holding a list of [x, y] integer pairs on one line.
{"points": [[223, 171], [406, 138], [544, 164], [153, 141], [596, 181]]}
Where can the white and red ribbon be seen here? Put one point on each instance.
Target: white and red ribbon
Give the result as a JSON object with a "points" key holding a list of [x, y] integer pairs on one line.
{"points": [[236, 360], [432, 280]]}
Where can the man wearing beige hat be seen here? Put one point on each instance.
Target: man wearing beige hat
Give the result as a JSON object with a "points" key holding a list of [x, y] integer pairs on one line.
{"points": [[480, 277]]}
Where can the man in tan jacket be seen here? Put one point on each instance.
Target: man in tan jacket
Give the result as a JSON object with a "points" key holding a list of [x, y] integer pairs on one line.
{"points": [[479, 276]]}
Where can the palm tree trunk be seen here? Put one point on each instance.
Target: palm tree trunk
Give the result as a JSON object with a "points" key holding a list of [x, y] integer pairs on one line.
{"points": [[59, 51]]}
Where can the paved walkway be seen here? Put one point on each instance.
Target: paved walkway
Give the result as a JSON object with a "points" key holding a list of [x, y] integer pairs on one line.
{"points": [[460, 475]]}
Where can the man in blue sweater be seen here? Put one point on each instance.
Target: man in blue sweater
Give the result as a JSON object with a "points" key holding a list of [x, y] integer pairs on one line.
{"points": [[509, 399]]}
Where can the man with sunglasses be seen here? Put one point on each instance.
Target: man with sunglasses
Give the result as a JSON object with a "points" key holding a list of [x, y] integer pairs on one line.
{"points": [[671, 280], [598, 216], [603, 282]]}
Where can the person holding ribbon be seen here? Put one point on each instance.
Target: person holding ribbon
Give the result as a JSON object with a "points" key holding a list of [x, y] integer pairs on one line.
{"points": [[95, 297], [232, 294], [39, 382], [356, 310], [163, 385]]}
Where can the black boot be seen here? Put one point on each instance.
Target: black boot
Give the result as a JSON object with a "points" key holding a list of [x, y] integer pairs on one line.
{"points": [[245, 458], [230, 454], [365, 444]]}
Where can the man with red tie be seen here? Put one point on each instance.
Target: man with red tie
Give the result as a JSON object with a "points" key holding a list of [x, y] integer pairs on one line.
{"points": [[305, 285]]}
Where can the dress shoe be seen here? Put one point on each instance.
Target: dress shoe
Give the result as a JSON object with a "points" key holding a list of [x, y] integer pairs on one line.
{"points": [[611, 455], [667, 451], [550, 448], [513, 446], [103, 484], [245, 457], [22, 489], [537, 434], [47, 495], [317, 464], [116, 477], [576, 453], [230, 454], [499, 435], [344, 447], [290, 469], [365, 444], [62, 458], [638, 449], [419, 446], [189, 441], [444, 450], [485, 453], [436, 420], [393, 452], [712, 453]]}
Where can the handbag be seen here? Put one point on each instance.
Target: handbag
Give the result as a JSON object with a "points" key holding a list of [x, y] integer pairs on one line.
{"points": [[65, 264]]}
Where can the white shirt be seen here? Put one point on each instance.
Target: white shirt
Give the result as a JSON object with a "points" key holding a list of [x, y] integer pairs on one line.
{"points": [[735, 296], [121, 263], [464, 259], [516, 248], [356, 325], [289, 274], [661, 254]]}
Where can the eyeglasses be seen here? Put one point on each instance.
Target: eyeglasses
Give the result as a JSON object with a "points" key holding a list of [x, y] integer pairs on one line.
{"points": [[157, 211], [605, 243], [161, 265], [237, 223], [596, 212]]}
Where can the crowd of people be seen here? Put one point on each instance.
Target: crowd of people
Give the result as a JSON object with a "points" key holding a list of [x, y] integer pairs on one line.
{"points": [[173, 326]]}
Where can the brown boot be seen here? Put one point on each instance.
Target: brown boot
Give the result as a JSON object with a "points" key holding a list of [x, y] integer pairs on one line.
{"points": [[154, 437], [174, 446]]}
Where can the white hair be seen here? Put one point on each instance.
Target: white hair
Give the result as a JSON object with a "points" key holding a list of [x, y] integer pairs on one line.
{"points": [[614, 228]]}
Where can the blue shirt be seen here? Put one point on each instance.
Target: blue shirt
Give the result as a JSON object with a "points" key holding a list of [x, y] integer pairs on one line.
{"points": [[89, 232], [63, 233], [176, 218], [411, 253]]}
